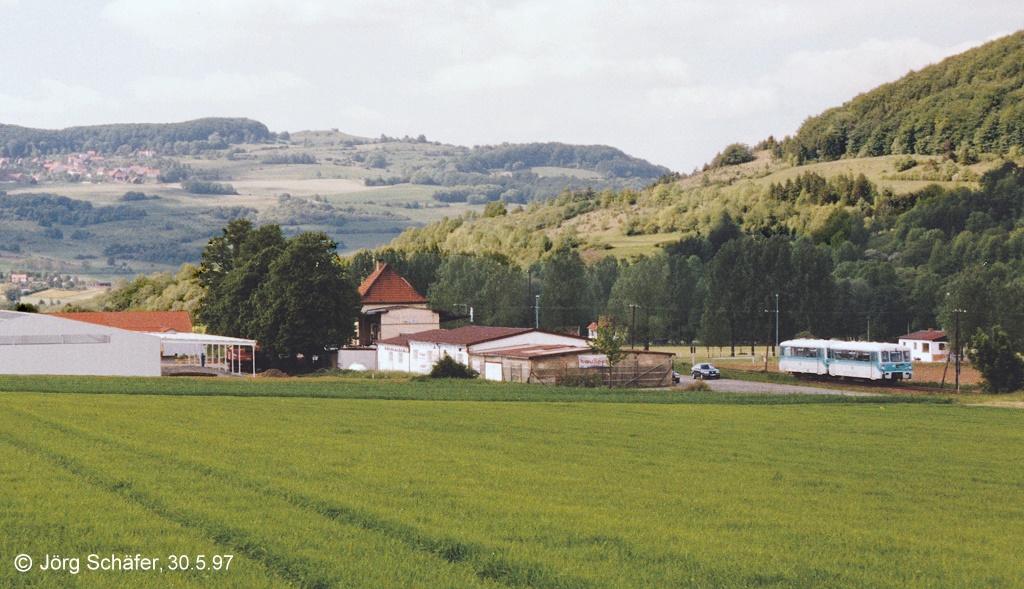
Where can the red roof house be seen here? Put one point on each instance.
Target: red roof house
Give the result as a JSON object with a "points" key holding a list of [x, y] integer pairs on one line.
{"points": [[391, 307], [386, 287]]}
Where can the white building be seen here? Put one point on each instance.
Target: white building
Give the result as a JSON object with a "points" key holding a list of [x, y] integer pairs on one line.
{"points": [[34, 343], [927, 345], [418, 352]]}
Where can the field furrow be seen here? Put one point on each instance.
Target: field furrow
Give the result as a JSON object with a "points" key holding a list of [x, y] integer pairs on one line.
{"points": [[383, 493], [302, 548]]}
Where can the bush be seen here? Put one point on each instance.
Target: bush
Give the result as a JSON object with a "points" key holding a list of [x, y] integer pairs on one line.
{"points": [[588, 379], [995, 356], [205, 187], [901, 164], [447, 367], [735, 154]]}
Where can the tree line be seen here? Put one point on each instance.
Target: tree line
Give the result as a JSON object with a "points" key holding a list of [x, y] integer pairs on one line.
{"points": [[215, 133]]}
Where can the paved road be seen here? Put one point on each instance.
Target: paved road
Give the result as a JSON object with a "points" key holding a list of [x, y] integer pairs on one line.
{"points": [[744, 386]]}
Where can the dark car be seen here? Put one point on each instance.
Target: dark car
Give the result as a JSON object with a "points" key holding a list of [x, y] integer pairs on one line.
{"points": [[703, 371]]}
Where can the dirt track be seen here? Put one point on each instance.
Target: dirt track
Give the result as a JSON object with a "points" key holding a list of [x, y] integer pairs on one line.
{"points": [[744, 386]]}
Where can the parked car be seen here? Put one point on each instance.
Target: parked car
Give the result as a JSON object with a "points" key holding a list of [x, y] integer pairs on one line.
{"points": [[676, 377], [703, 371]]}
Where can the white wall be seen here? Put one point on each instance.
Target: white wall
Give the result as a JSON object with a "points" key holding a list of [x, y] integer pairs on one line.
{"points": [[33, 343], [423, 355], [934, 353], [392, 358], [407, 320]]}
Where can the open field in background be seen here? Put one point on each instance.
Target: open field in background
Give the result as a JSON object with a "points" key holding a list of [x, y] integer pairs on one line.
{"points": [[59, 298], [336, 492]]}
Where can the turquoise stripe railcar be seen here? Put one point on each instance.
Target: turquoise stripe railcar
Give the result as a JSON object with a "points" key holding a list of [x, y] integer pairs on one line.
{"points": [[867, 360]]}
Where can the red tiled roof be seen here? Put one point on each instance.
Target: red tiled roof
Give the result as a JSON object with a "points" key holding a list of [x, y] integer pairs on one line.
{"points": [[148, 321], [466, 335], [386, 287], [929, 335]]}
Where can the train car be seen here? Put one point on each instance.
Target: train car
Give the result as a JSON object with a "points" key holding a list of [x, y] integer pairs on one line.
{"points": [[867, 360], [804, 356]]}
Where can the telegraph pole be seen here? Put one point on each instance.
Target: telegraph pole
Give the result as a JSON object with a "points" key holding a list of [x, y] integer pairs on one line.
{"points": [[956, 336], [536, 313], [775, 351], [632, 326]]}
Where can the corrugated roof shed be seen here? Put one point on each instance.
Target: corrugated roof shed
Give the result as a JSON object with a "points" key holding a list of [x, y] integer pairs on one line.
{"points": [[466, 335]]}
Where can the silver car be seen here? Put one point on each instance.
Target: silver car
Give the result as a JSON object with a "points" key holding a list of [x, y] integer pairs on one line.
{"points": [[704, 371]]}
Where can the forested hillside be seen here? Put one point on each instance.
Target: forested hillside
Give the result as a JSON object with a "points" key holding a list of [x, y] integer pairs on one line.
{"points": [[968, 104], [213, 133], [927, 224]]}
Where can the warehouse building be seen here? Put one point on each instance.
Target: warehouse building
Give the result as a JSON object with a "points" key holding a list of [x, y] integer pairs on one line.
{"points": [[33, 343]]}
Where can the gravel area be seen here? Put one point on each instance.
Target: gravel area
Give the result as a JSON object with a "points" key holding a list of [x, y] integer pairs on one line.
{"points": [[745, 386]]}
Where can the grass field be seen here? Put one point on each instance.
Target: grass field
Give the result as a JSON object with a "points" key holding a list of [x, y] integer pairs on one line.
{"points": [[315, 483]]}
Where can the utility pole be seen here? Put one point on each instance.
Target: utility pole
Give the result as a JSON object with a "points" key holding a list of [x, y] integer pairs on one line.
{"points": [[529, 293], [956, 336], [775, 349], [536, 312], [632, 325]]}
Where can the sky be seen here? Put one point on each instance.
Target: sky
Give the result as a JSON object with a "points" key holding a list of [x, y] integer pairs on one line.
{"points": [[672, 82]]}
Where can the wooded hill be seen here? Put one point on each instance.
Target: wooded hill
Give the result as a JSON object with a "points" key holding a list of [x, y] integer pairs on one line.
{"points": [[213, 133], [968, 104], [919, 233]]}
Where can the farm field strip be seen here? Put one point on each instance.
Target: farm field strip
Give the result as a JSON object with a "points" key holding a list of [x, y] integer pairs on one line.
{"points": [[299, 546], [484, 558], [327, 492], [93, 519]]}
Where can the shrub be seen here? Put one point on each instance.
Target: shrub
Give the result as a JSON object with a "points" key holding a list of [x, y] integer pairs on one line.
{"points": [[587, 379], [904, 163], [447, 367], [995, 356], [699, 385], [733, 155]]}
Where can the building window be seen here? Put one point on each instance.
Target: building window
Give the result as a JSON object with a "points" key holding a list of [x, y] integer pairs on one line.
{"points": [[925, 348]]}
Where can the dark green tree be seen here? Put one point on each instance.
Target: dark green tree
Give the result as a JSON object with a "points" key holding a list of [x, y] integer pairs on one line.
{"points": [[563, 290], [996, 357], [496, 291], [305, 303]]}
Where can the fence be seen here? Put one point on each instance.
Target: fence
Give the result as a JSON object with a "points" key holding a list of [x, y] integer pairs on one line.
{"points": [[624, 374]]}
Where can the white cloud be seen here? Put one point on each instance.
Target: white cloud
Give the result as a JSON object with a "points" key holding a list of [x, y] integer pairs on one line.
{"points": [[57, 100], [849, 71], [510, 70], [714, 101], [219, 87]]}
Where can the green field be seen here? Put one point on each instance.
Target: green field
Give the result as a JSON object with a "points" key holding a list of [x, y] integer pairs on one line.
{"points": [[359, 483]]}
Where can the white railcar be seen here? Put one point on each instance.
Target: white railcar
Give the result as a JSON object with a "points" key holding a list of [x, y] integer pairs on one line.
{"points": [[867, 360]]}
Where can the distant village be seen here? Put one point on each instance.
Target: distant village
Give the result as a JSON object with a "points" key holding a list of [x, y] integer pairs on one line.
{"points": [[88, 166]]}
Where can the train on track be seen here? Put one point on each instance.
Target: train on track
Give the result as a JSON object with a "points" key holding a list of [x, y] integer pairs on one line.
{"points": [[866, 360]]}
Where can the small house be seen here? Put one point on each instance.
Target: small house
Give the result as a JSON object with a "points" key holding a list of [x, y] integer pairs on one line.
{"points": [[391, 307], [928, 345]]}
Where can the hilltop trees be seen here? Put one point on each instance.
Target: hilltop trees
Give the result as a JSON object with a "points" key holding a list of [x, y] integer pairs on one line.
{"points": [[291, 295]]}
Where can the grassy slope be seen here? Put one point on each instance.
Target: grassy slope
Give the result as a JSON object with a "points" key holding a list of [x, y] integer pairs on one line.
{"points": [[362, 492], [698, 200]]}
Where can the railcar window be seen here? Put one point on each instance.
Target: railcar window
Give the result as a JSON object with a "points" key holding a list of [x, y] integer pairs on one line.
{"points": [[804, 352]]}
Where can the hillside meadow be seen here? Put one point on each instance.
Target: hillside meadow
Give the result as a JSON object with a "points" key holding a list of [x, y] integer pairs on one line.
{"points": [[315, 483]]}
